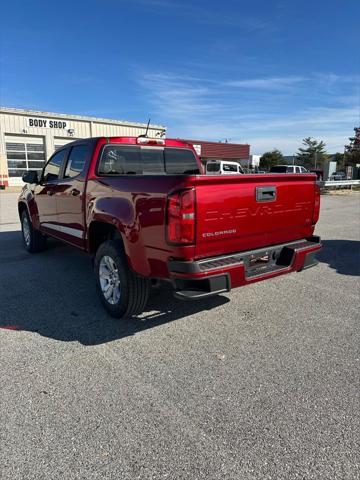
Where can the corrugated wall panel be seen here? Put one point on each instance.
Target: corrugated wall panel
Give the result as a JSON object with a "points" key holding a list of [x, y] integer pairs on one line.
{"points": [[108, 130], [16, 124], [220, 150]]}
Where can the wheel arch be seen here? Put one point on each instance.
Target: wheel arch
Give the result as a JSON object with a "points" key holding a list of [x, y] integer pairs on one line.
{"points": [[99, 231], [21, 207]]}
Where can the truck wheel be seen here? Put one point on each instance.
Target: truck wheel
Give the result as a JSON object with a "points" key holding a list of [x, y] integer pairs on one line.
{"points": [[33, 240], [121, 291]]}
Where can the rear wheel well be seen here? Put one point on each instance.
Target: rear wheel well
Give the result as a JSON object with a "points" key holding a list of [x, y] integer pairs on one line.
{"points": [[99, 232]]}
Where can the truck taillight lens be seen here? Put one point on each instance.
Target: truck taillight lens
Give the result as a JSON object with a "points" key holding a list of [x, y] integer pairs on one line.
{"points": [[181, 217], [316, 204]]}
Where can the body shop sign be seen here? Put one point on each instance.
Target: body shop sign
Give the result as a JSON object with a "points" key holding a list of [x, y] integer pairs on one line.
{"points": [[46, 123]]}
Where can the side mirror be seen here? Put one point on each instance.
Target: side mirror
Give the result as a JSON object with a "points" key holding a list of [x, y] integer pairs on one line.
{"points": [[31, 176]]}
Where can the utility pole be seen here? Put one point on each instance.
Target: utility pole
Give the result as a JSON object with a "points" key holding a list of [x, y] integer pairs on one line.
{"points": [[315, 159]]}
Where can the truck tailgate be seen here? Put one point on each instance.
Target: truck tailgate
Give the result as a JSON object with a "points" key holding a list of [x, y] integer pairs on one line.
{"points": [[242, 212]]}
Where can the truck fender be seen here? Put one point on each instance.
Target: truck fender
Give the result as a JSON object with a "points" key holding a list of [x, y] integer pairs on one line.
{"points": [[120, 213], [27, 200]]}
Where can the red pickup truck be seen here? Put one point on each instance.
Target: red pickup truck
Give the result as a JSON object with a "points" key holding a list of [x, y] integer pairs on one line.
{"points": [[146, 211]]}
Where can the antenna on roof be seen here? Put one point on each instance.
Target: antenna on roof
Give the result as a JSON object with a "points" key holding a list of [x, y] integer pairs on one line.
{"points": [[146, 131]]}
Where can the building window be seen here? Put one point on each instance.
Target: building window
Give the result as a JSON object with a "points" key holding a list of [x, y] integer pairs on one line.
{"points": [[24, 156]]}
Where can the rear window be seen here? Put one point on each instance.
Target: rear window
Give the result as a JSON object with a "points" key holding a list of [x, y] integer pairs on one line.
{"points": [[180, 161], [128, 160], [279, 169], [212, 167]]}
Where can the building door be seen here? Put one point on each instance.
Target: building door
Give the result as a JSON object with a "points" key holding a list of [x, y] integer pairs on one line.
{"points": [[23, 153]]}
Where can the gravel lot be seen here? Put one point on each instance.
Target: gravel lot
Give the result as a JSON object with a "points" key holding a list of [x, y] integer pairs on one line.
{"points": [[262, 383]]}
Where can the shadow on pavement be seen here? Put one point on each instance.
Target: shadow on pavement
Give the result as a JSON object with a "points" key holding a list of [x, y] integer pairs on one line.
{"points": [[342, 255], [53, 293]]}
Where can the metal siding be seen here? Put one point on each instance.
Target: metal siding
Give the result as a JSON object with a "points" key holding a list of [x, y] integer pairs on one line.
{"points": [[13, 124], [111, 130], [220, 150], [82, 118]]}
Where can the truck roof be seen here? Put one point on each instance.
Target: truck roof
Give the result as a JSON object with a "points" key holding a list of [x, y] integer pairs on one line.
{"points": [[166, 142]]}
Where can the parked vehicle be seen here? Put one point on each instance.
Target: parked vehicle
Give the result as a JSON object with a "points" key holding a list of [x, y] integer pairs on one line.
{"points": [[143, 209], [288, 169], [222, 167], [338, 176]]}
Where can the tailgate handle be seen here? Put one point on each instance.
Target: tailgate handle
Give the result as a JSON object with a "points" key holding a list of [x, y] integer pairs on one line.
{"points": [[265, 194]]}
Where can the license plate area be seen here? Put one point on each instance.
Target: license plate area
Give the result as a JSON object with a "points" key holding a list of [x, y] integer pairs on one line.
{"points": [[257, 261], [268, 260]]}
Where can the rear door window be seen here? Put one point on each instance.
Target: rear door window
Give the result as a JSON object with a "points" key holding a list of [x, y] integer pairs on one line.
{"points": [[76, 161], [230, 168]]}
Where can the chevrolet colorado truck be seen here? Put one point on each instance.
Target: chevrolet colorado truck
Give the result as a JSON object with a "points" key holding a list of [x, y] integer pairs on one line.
{"points": [[147, 213]]}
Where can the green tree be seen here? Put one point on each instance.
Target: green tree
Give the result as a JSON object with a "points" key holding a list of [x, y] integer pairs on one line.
{"points": [[268, 159], [352, 151], [313, 155]]}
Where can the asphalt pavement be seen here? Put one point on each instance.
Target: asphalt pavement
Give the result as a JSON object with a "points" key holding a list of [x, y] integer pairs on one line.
{"points": [[262, 383]]}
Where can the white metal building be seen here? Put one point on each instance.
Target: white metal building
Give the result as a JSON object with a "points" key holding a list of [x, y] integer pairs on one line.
{"points": [[28, 137]]}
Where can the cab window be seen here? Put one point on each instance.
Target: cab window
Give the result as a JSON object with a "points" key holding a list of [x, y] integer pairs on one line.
{"points": [[76, 161], [52, 168]]}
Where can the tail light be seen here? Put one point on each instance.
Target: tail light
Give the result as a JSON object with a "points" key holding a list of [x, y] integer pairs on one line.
{"points": [[316, 212], [181, 217]]}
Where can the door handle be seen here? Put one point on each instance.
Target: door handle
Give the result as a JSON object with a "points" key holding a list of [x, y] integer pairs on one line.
{"points": [[75, 192], [265, 194], [50, 192]]}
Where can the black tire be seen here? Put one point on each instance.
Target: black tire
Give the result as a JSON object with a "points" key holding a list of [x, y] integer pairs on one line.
{"points": [[133, 293], [33, 240]]}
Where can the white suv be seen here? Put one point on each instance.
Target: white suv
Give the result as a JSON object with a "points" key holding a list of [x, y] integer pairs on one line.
{"points": [[288, 169]]}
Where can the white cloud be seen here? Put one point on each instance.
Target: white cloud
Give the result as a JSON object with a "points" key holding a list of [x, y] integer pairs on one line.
{"points": [[269, 112], [266, 83]]}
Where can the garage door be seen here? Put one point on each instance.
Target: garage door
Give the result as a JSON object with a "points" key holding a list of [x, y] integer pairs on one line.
{"points": [[23, 154], [60, 142]]}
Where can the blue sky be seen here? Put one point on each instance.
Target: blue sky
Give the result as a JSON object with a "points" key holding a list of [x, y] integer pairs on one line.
{"points": [[267, 73]]}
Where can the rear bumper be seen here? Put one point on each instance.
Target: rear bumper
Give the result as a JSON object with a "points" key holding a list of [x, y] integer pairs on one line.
{"points": [[211, 276]]}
